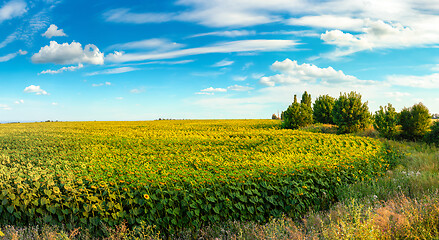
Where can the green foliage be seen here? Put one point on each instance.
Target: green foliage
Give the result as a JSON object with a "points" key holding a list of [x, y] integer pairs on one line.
{"points": [[297, 115], [350, 114], [322, 110], [274, 117], [415, 121], [386, 120], [306, 99], [433, 135]]}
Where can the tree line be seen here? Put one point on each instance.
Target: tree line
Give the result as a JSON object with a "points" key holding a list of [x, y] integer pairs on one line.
{"points": [[350, 114]]}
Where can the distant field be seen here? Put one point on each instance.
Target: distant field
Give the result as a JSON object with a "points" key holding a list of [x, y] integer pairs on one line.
{"points": [[174, 174]]}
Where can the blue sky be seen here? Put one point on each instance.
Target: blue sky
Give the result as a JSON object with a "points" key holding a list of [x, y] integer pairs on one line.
{"points": [[196, 59]]}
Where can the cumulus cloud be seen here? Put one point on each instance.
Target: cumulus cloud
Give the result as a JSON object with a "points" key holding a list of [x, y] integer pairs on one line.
{"points": [[377, 35], [223, 63], [69, 54], [35, 89], [113, 71], [12, 9], [292, 73], [259, 45], [21, 101], [101, 84], [63, 69], [53, 31], [426, 81]]}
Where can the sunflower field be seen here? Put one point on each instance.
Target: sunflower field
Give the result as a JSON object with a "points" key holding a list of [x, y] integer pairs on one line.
{"points": [[174, 174]]}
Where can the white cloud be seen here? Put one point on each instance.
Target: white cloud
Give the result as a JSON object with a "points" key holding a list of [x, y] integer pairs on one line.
{"points": [[123, 15], [53, 31], [247, 66], [204, 93], [12, 9], [35, 89], [260, 45], [211, 89], [426, 81], [158, 44], [12, 55], [377, 35], [137, 90], [5, 107], [329, 22], [119, 98], [397, 94], [68, 54], [257, 75], [63, 69], [239, 78], [239, 88], [292, 73], [8, 57], [54, 104], [231, 33], [21, 101], [101, 84], [223, 63], [113, 71]]}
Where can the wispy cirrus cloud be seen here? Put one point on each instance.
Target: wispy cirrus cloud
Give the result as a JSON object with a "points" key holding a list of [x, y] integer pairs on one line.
{"points": [[12, 9], [157, 44], [124, 15], [259, 45], [223, 63], [11, 56], [113, 71]]}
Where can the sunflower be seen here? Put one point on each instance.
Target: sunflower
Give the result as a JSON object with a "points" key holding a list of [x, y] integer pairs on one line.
{"points": [[146, 196]]}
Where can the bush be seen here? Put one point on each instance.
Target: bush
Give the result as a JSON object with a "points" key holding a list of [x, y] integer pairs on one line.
{"points": [[322, 111], [298, 114], [414, 121], [386, 121], [433, 136], [350, 114]]}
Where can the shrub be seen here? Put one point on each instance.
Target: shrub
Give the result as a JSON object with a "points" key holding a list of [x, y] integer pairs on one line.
{"points": [[433, 136], [322, 111], [350, 114], [414, 121], [386, 121]]}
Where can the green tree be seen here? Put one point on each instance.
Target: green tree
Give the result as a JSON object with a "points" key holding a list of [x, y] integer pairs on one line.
{"points": [[322, 109], [386, 120], [350, 114], [433, 135], [297, 115], [414, 121], [306, 99]]}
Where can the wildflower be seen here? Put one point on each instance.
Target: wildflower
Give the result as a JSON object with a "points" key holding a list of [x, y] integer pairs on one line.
{"points": [[146, 196]]}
